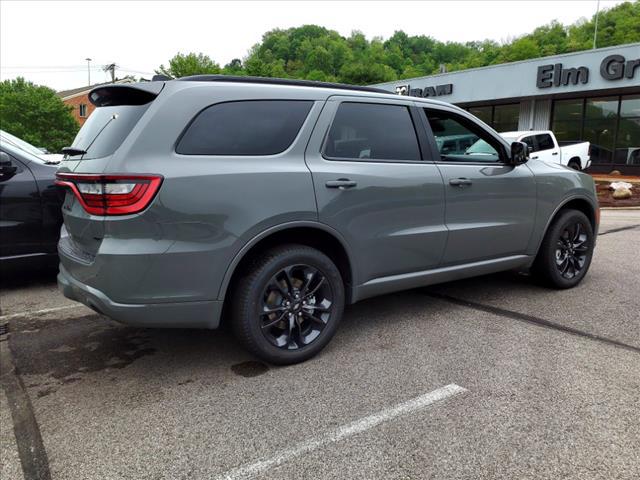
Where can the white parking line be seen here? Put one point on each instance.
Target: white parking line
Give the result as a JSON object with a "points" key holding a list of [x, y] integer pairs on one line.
{"points": [[39, 312], [343, 432]]}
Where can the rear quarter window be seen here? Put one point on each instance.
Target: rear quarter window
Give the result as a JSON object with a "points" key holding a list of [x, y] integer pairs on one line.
{"points": [[251, 127]]}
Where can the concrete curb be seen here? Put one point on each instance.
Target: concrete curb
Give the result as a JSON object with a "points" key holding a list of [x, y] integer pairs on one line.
{"points": [[619, 208]]}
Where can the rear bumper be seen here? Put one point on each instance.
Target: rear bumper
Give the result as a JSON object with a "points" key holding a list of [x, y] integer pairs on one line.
{"points": [[203, 314]]}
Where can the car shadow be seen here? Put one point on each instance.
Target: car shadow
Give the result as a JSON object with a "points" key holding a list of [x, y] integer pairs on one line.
{"points": [[67, 348]]}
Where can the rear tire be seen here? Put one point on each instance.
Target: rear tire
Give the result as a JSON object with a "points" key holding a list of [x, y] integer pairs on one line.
{"points": [[288, 303], [566, 251], [574, 164]]}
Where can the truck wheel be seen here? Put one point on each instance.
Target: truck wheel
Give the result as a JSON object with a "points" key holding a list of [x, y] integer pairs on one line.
{"points": [[566, 251], [288, 304], [575, 164]]}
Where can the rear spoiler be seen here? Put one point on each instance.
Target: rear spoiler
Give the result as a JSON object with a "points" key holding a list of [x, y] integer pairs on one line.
{"points": [[125, 94]]}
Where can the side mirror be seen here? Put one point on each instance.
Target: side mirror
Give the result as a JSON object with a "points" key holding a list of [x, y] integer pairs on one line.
{"points": [[7, 168], [519, 153]]}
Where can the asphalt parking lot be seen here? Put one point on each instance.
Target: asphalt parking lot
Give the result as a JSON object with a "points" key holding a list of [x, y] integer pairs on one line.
{"points": [[493, 377]]}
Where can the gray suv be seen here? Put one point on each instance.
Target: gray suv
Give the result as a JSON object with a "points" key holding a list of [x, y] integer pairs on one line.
{"points": [[273, 203]]}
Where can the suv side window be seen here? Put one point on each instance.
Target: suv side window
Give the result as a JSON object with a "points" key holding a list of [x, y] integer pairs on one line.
{"points": [[545, 142], [530, 143], [372, 131], [460, 140], [251, 127]]}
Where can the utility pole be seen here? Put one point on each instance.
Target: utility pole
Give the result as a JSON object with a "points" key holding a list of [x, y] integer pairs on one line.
{"points": [[111, 68], [88, 70], [595, 30]]}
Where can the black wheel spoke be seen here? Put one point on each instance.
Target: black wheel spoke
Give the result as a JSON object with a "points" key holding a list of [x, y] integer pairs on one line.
{"points": [[314, 318], [316, 288], [319, 308], [275, 284], [307, 283], [576, 232], [267, 310], [274, 322]]}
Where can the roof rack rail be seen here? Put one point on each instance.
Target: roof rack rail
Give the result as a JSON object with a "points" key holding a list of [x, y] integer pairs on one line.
{"points": [[279, 81]]}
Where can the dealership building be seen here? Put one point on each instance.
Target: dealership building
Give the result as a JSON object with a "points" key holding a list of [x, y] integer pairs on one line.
{"points": [[585, 96]]}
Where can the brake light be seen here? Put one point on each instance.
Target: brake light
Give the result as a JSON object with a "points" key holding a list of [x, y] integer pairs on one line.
{"points": [[111, 194]]}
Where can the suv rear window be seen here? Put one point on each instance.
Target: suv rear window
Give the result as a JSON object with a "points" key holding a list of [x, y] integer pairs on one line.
{"points": [[372, 131], [250, 127], [106, 129]]}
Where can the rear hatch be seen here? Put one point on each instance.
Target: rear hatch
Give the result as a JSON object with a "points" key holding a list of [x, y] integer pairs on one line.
{"points": [[119, 109]]}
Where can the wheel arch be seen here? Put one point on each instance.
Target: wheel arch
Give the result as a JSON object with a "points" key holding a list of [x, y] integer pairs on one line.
{"points": [[313, 234], [580, 203], [575, 160]]}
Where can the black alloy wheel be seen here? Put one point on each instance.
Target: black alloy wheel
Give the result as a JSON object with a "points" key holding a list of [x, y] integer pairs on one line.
{"points": [[296, 306], [287, 303], [572, 249], [566, 251]]}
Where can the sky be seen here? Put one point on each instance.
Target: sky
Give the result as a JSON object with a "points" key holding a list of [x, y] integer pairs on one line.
{"points": [[48, 42]]}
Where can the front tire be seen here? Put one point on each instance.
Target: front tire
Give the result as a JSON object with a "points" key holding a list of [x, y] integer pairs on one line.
{"points": [[288, 304], [566, 251]]}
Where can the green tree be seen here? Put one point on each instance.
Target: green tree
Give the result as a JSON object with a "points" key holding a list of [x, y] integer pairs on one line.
{"points": [[234, 67], [317, 53], [36, 114], [182, 65]]}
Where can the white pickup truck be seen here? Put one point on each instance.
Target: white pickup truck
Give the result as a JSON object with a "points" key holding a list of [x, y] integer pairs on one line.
{"points": [[544, 146]]}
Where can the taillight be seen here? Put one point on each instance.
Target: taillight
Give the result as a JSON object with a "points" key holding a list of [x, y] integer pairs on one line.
{"points": [[111, 194]]}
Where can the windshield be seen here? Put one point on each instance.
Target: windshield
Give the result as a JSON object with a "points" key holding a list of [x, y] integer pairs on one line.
{"points": [[6, 137], [105, 130]]}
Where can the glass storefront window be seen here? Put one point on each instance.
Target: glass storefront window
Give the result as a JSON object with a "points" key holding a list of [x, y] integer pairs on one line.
{"points": [[567, 120], [600, 121], [628, 139], [505, 117], [483, 113]]}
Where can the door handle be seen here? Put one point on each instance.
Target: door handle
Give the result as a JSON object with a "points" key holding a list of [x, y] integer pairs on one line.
{"points": [[341, 183], [554, 153], [460, 182], [535, 158]]}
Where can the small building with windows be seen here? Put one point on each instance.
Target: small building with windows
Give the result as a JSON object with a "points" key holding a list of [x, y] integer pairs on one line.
{"points": [[589, 96]]}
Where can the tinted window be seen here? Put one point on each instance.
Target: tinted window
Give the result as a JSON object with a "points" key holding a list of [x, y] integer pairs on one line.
{"points": [[545, 142], [530, 143], [256, 127], [106, 129], [372, 131], [460, 140]]}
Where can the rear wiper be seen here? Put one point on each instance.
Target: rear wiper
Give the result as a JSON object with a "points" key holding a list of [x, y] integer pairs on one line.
{"points": [[73, 151]]}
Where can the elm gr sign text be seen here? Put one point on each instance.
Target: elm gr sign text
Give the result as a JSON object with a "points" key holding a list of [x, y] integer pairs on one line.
{"points": [[613, 67]]}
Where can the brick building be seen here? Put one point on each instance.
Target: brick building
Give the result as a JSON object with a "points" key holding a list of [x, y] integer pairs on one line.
{"points": [[78, 98]]}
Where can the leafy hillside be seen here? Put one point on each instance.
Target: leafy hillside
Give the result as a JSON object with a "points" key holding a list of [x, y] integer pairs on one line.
{"points": [[316, 53]]}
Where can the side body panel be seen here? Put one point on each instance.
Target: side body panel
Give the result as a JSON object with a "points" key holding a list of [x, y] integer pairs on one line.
{"points": [[20, 212], [51, 199], [393, 218], [491, 213], [557, 185]]}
